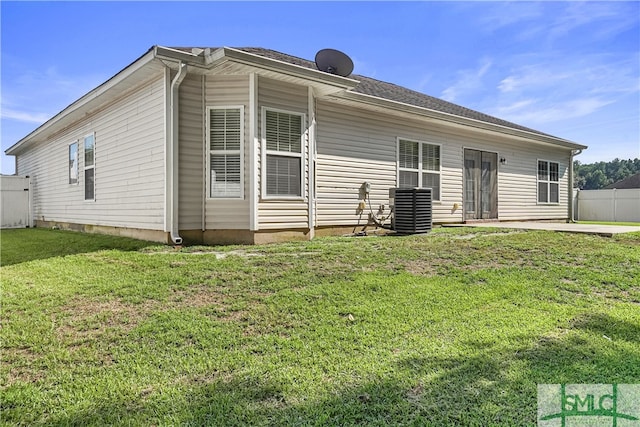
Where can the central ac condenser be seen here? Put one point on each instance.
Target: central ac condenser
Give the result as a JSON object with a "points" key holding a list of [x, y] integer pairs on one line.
{"points": [[412, 210]]}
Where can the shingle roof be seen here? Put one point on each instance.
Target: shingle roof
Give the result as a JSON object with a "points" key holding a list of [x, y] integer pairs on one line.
{"points": [[392, 92], [632, 181]]}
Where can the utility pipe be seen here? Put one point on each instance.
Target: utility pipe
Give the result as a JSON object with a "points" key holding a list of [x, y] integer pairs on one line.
{"points": [[174, 153]]}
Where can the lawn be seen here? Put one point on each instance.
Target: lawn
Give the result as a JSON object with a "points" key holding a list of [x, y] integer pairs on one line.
{"points": [[456, 327]]}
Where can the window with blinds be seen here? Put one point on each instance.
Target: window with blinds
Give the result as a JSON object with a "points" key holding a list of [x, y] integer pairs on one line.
{"points": [[282, 135], [419, 165], [226, 136]]}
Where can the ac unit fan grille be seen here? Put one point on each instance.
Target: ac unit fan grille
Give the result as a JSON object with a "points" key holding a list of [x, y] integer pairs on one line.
{"points": [[412, 210]]}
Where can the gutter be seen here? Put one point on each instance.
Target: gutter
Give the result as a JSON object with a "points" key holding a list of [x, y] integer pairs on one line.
{"points": [[172, 147], [571, 210]]}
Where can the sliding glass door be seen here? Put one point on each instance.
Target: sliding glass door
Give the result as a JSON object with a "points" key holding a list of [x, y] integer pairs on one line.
{"points": [[480, 185]]}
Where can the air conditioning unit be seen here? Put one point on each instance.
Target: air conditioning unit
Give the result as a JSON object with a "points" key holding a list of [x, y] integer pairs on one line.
{"points": [[412, 210]]}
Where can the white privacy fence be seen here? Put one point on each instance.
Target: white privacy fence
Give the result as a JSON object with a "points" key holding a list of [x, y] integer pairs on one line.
{"points": [[15, 201], [607, 205]]}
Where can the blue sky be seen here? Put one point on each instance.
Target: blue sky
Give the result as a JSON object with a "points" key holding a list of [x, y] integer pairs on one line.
{"points": [[571, 69]]}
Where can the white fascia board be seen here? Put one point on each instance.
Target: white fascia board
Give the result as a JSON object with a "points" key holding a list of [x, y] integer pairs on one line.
{"points": [[282, 67], [459, 120], [208, 59], [169, 54], [84, 100]]}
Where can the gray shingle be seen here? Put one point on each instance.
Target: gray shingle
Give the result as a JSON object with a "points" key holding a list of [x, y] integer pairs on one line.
{"points": [[392, 92], [632, 181]]}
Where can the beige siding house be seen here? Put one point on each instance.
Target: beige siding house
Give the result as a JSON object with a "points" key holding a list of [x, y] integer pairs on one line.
{"points": [[250, 145]]}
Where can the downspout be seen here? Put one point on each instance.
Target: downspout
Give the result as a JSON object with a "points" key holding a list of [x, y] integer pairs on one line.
{"points": [[311, 159], [254, 157], [571, 213], [174, 152], [203, 84]]}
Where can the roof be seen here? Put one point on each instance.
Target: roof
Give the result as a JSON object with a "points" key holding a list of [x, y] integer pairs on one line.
{"points": [[632, 181], [392, 92], [354, 88]]}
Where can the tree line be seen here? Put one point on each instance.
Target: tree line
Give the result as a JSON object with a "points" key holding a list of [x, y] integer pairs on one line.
{"points": [[595, 176]]}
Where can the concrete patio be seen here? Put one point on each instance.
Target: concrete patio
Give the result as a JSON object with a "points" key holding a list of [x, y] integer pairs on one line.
{"points": [[601, 230]]}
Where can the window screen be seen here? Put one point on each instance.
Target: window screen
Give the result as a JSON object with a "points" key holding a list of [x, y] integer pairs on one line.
{"points": [[419, 165], [283, 142], [225, 152]]}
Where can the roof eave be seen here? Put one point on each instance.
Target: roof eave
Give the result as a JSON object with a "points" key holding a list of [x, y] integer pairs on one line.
{"points": [[209, 59], [204, 59], [317, 76], [465, 121]]}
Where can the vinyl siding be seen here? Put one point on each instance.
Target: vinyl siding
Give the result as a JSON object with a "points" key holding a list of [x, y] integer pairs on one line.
{"points": [[355, 146], [229, 214], [273, 213], [191, 193], [129, 161]]}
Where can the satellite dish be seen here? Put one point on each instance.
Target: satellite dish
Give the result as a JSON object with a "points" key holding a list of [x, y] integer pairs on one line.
{"points": [[334, 62]]}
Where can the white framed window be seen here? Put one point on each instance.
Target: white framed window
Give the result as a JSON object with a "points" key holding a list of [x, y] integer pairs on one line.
{"points": [[548, 182], [89, 167], [282, 154], [73, 163], [226, 152], [419, 165]]}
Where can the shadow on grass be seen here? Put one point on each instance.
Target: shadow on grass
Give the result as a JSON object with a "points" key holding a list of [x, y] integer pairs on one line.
{"points": [[609, 327], [493, 386], [29, 244]]}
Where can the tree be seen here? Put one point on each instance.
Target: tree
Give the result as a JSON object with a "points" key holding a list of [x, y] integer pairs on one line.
{"points": [[598, 175]]}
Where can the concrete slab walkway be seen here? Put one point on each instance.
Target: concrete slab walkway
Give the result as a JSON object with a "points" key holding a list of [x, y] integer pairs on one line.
{"points": [[601, 230]]}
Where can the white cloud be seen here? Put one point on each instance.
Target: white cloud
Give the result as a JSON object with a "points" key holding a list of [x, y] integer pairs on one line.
{"points": [[424, 82], [534, 76], [34, 96], [553, 87], [24, 116], [579, 14], [505, 14], [468, 81], [543, 111], [552, 21], [516, 107]]}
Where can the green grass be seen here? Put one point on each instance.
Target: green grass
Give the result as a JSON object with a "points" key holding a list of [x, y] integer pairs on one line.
{"points": [[456, 327]]}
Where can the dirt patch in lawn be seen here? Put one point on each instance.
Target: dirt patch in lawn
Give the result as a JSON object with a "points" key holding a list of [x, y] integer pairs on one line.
{"points": [[82, 323], [82, 318]]}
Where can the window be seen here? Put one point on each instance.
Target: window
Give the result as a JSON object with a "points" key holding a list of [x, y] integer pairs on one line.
{"points": [[282, 135], [73, 163], [89, 168], [226, 135], [548, 182], [419, 165]]}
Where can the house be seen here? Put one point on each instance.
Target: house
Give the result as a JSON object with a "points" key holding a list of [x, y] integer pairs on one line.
{"points": [[249, 145], [632, 181]]}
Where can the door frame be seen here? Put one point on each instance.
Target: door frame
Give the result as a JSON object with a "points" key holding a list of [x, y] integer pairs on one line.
{"points": [[464, 184]]}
